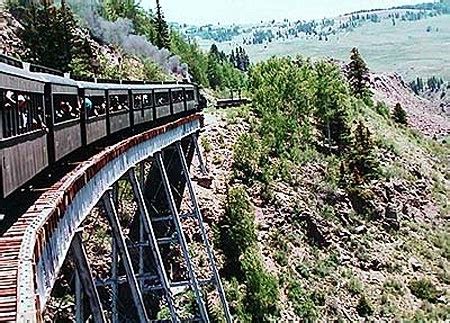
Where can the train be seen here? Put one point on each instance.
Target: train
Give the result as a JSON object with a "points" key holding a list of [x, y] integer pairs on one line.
{"points": [[47, 115]]}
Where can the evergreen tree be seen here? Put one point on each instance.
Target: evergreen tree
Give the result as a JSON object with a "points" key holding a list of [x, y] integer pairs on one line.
{"points": [[399, 115], [213, 72], [363, 164], [50, 35], [358, 74], [115, 9], [214, 52], [162, 39]]}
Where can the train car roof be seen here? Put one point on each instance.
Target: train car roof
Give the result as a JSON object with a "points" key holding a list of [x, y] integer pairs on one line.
{"points": [[55, 79], [116, 86], [19, 72]]}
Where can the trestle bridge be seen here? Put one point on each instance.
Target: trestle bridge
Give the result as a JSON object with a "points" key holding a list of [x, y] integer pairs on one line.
{"points": [[101, 136]]}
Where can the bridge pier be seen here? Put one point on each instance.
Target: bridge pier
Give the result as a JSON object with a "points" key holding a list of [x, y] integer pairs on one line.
{"points": [[150, 242], [84, 278]]}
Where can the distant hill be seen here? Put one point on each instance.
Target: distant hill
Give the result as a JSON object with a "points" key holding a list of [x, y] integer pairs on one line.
{"points": [[387, 38]]}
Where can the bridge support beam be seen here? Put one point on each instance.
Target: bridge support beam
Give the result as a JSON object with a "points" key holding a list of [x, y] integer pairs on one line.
{"points": [[204, 170], [151, 237], [85, 277], [199, 218], [184, 247], [124, 255]]}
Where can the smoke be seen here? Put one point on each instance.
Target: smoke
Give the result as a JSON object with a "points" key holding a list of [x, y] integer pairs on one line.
{"points": [[121, 33]]}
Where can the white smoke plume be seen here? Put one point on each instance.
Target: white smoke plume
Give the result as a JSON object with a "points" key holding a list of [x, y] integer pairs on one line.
{"points": [[121, 33]]}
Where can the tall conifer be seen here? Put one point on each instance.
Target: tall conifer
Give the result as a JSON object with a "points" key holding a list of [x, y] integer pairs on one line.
{"points": [[162, 29]]}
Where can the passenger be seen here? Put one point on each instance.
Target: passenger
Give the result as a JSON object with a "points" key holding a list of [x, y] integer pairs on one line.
{"points": [[91, 111], [161, 101], [9, 107], [38, 120], [137, 102], [114, 103], [66, 112], [23, 110]]}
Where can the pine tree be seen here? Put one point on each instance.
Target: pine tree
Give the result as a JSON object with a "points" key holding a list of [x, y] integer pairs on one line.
{"points": [[53, 38], [214, 52], [213, 73], [358, 74], [363, 164], [399, 115], [162, 39], [232, 58]]}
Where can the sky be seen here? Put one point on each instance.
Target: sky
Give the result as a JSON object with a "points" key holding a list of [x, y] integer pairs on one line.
{"points": [[199, 12]]}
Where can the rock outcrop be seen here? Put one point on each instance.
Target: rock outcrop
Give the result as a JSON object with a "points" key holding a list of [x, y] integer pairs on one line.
{"points": [[423, 114]]}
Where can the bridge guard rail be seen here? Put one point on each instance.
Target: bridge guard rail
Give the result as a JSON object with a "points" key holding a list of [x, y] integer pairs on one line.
{"points": [[52, 222]]}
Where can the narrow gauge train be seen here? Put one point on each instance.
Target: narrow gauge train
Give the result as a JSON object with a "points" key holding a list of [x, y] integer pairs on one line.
{"points": [[45, 115]]}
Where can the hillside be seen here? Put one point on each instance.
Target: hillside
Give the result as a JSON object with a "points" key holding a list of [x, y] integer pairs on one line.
{"points": [[324, 254], [425, 114], [387, 48]]}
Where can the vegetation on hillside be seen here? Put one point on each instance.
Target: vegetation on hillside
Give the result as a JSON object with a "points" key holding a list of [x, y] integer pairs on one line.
{"points": [[331, 174], [321, 29], [49, 26]]}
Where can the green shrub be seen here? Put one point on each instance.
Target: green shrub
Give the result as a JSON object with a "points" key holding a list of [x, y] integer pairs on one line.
{"points": [[364, 307], [247, 157], [400, 115], [354, 285], [152, 72], [383, 110], [424, 289], [206, 144], [236, 294], [237, 228], [262, 287], [304, 305], [394, 287]]}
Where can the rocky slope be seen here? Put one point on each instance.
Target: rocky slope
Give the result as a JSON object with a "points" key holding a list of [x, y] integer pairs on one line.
{"points": [[425, 114], [330, 263], [108, 58]]}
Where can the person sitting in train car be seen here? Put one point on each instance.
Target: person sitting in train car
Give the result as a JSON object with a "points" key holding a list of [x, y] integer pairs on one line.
{"points": [[161, 101], [103, 107], [123, 104], [137, 102], [114, 103], [38, 120], [91, 111], [8, 109], [23, 103], [66, 112], [146, 101]]}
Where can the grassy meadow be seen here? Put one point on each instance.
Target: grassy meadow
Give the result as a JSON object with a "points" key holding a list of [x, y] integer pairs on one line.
{"points": [[407, 48]]}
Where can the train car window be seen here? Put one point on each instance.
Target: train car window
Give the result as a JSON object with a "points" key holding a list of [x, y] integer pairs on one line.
{"points": [[95, 106], [138, 101], [118, 103], [162, 98], [23, 112], [190, 95], [177, 96], [147, 101], [66, 107]]}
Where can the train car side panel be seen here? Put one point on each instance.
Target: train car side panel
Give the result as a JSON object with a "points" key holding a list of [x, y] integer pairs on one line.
{"points": [[95, 129], [119, 121], [22, 161], [67, 138]]}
